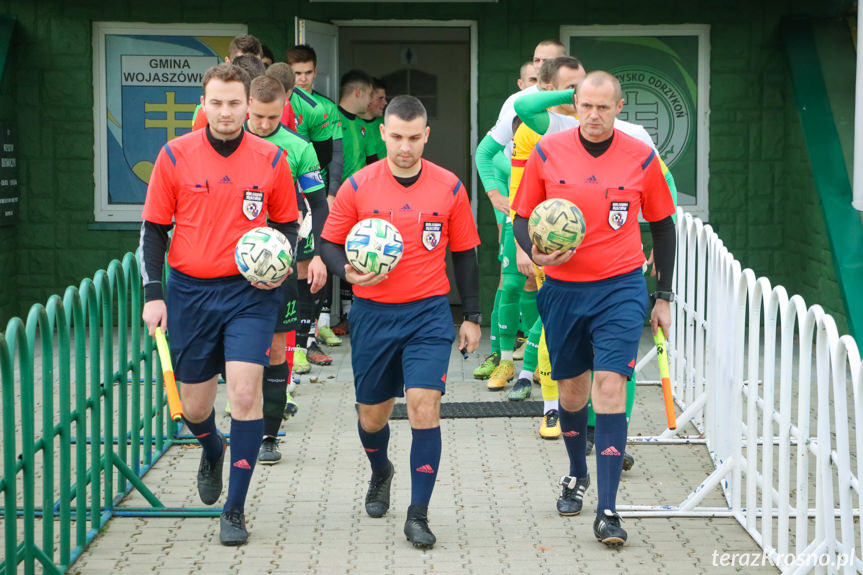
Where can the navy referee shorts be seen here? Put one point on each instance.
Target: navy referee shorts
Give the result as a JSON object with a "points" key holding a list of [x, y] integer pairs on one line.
{"points": [[593, 325], [397, 346], [214, 320]]}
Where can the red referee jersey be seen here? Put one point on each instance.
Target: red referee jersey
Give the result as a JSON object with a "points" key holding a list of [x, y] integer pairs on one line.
{"points": [[610, 191], [430, 214], [214, 200]]}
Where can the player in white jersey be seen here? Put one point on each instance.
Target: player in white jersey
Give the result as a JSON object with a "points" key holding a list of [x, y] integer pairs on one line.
{"points": [[499, 139]]}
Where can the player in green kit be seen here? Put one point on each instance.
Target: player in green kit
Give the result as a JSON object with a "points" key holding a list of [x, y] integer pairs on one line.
{"points": [[355, 95], [266, 103], [358, 149], [317, 119], [374, 117]]}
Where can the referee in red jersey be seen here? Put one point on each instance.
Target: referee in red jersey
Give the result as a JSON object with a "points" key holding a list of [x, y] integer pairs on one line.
{"points": [[401, 324], [594, 302], [212, 186]]}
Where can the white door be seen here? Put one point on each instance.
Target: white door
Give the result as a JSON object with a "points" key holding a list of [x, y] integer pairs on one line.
{"points": [[324, 38]]}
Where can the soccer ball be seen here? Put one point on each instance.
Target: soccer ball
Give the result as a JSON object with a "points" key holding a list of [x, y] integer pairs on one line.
{"points": [[556, 224], [374, 245], [263, 255]]}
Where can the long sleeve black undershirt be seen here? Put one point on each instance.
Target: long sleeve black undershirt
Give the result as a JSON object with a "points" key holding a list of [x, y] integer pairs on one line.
{"points": [[336, 167], [324, 151], [289, 229], [153, 245], [465, 268], [466, 272], [333, 255], [664, 250], [522, 234], [320, 209]]}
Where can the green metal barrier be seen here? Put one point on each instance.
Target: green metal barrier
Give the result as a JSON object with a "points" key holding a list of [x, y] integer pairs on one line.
{"points": [[83, 381]]}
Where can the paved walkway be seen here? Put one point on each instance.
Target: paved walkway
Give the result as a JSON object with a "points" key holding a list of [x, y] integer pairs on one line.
{"points": [[492, 510]]}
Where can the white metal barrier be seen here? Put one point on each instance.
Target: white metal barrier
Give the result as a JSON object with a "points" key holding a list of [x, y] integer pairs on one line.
{"points": [[774, 392]]}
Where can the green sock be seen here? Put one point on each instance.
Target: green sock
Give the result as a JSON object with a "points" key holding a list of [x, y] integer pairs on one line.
{"points": [[531, 351], [494, 338], [630, 396], [529, 313], [507, 319]]}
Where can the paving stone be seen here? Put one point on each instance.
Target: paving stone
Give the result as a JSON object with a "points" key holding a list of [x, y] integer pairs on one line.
{"points": [[492, 510]]}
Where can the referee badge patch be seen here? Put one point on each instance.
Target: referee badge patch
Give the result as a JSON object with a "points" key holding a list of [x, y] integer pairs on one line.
{"points": [[431, 234], [617, 214], [253, 203]]}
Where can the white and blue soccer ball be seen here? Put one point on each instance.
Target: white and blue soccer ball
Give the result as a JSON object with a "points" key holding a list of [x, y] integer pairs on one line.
{"points": [[263, 255], [374, 245]]}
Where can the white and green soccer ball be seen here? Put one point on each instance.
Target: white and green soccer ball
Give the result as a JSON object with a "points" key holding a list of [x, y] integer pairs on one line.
{"points": [[556, 224], [374, 245], [263, 255]]}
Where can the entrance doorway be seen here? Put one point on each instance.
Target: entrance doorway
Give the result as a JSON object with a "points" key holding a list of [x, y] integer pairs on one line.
{"points": [[434, 61], [432, 64]]}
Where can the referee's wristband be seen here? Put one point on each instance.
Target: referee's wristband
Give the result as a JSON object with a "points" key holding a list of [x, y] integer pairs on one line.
{"points": [[473, 317], [666, 295]]}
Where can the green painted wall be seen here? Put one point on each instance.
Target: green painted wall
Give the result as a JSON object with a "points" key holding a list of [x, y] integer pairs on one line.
{"points": [[751, 124], [8, 234], [805, 263]]}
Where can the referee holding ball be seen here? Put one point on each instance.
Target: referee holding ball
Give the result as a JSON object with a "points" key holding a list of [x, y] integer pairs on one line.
{"points": [[212, 186], [401, 324], [594, 302]]}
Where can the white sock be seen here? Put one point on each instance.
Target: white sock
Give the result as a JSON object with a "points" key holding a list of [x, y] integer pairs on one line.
{"points": [[525, 374], [324, 320], [346, 307], [548, 405], [506, 355]]}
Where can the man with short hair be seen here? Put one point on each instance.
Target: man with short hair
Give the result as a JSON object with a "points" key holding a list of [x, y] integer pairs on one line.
{"points": [[557, 73], [374, 117], [357, 152], [213, 186], [499, 139], [316, 114], [527, 75], [249, 62], [401, 321], [355, 96], [317, 119], [283, 73], [594, 300], [244, 44], [539, 111], [266, 101]]}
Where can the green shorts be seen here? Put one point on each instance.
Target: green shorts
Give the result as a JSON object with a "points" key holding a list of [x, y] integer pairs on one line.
{"points": [[306, 248]]}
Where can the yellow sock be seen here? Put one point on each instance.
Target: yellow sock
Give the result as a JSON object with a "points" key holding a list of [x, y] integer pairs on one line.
{"points": [[549, 386]]}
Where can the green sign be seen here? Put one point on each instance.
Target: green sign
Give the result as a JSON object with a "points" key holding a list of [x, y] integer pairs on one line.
{"points": [[659, 76], [8, 176]]}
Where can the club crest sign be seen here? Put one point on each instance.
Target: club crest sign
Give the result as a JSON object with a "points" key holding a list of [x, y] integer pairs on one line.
{"points": [[655, 101]]}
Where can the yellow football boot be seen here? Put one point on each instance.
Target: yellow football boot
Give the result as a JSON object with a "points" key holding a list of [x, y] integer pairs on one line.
{"points": [[550, 426], [502, 374]]}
